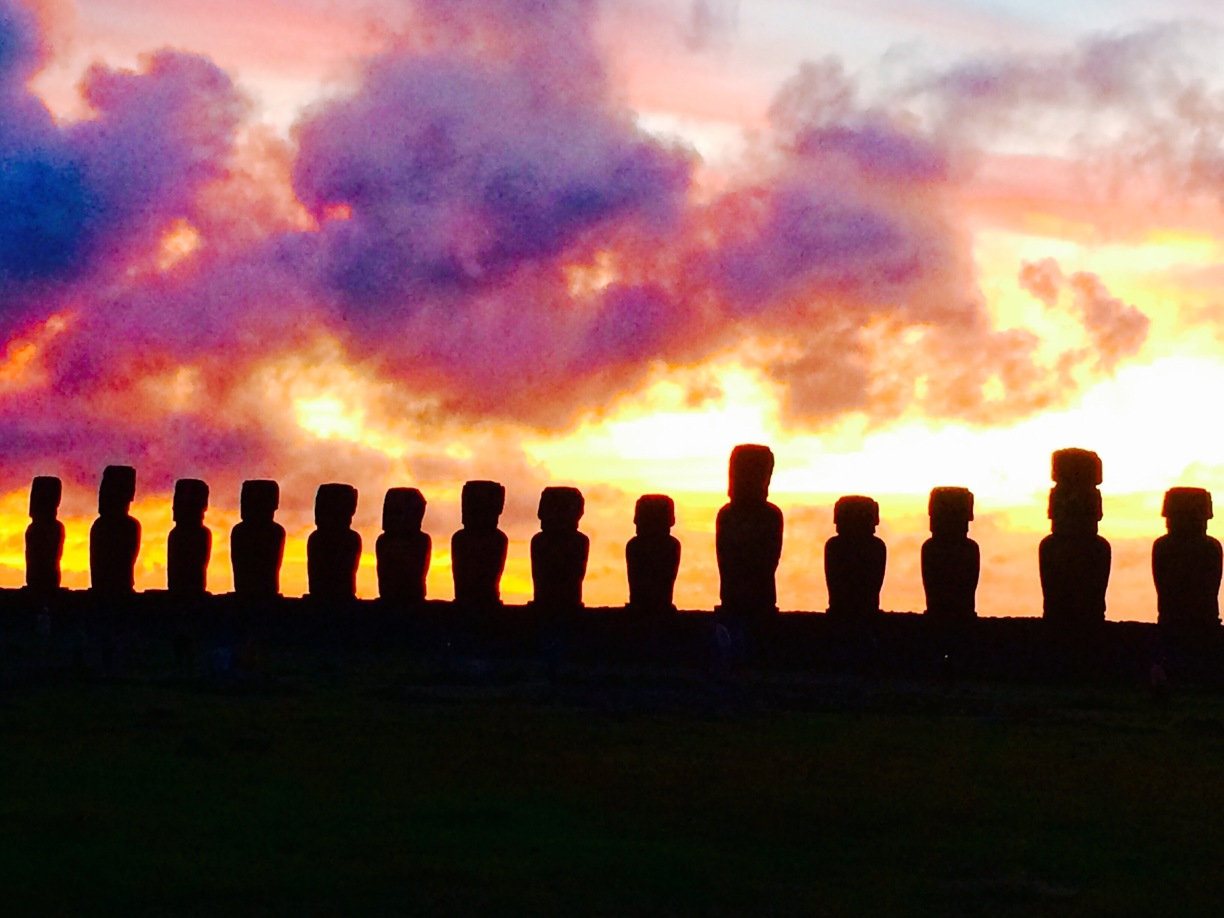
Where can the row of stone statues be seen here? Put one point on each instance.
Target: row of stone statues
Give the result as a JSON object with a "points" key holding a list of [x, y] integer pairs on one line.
{"points": [[1074, 559]]}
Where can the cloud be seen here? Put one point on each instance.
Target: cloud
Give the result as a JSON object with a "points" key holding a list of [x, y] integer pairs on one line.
{"points": [[83, 203], [710, 23], [1144, 102], [1115, 330], [481, 223], [454, 174], [157, 138], [22, 50]]}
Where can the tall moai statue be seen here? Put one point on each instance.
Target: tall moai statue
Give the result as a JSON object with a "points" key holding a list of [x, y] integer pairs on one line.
{"points": [[1074, 559], [951, 561], [114, 537], [478, 550], [257, 543], [652, 557], [333, 550], [189, 546], [559, 551], [403, 550], [44, 537], [1186, 564], [855, 559], [748, 535]]}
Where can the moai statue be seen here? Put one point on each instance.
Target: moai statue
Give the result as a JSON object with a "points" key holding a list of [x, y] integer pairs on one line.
{"points": [[44, 537], [951, 561], [257, 543], [114, 537], [403, 550], [333, 550], [190, 544], [559, 551], [653, 555], [1074, 560], [748, 535], [1186, 564], [855, 559], [478, 550]]}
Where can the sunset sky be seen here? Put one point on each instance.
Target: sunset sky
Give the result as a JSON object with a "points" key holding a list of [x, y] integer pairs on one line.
{"points": [[600, 243]]}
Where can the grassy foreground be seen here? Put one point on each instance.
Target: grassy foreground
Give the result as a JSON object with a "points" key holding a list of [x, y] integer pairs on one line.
{"points": [[376, 797]]}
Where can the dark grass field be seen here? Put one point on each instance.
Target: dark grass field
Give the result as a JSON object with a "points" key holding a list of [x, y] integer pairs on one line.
{"points": [[609, 793]]}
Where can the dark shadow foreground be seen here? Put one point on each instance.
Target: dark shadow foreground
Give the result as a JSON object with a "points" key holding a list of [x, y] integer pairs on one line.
{"points": [[385, 790]]}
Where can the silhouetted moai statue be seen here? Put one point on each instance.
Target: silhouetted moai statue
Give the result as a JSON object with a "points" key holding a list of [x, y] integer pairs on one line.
{"points": [[1186, 564], [1074, 560], [652, 557], [257, 543], [478, 550], [559, 551], [748, 536], [44, 537], [190, 544], [403, 550], [114, 537], [333, 550], [951, 561], [855, 559]]}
